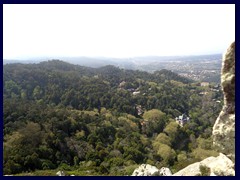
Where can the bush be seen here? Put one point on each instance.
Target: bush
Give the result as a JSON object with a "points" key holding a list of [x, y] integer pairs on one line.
{"points": [[116, 161], [201, 154], [12, 168], [47, 164], [205, 171], [64, 167], [129, 170]]}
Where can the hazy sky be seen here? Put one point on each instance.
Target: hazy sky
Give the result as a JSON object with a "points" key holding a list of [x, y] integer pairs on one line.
{"points": [[116, 30]]}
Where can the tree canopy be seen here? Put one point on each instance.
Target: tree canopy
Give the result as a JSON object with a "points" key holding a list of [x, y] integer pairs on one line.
{"points": [[105, 120]]}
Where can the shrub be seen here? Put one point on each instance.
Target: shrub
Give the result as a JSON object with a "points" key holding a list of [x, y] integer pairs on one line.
{"points": [[47, 164], [205, 171]]}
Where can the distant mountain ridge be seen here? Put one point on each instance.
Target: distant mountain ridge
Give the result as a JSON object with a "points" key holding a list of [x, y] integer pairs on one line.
{"points": [[199, 68], [62, 66], [126, 63]]}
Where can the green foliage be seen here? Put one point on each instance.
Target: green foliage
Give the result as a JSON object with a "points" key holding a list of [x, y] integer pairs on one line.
{"points": [[117, 161], [47, 164], [181, 157], [164, 139], [11, 167], [12, 89], [178, 137], [205, 143], [78, 119], [133, 154], [201, 154], [64, 167], [155, 121], [205, 171], [154, 115], [129, 169], [172, 130], [166, 153]]}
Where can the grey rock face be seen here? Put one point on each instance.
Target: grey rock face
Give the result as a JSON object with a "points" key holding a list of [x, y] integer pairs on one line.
{"points": [[224, 127], [219, 166], [165, 172], [148, 170]]}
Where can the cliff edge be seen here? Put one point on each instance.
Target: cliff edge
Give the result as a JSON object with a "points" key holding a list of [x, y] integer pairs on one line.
{"points": [[224, 127]]}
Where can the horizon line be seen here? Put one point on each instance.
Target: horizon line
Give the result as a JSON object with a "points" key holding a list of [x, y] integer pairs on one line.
{"points": [[98, 57]]}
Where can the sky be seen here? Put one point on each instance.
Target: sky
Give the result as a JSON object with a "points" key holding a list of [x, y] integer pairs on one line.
{"points": [[125, 30]]}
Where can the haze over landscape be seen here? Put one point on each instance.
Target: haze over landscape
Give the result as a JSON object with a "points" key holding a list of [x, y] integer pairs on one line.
{"points": [[118, 90]]}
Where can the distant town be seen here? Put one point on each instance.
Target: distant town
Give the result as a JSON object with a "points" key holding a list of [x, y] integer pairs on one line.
{"points": [[200, 68]]}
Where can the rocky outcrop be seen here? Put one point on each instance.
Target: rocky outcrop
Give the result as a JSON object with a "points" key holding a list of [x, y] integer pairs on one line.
{"points": [[223, 130], [148, 170], [60, 173], [218, 166], [145, 170], [165, 172], [224, 127]]}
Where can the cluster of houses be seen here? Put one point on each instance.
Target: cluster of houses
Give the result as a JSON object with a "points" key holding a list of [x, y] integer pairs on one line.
{"points": [[183, 119]]}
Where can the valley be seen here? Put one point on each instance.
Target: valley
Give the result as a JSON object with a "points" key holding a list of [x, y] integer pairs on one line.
{"points": [[103, 121]]}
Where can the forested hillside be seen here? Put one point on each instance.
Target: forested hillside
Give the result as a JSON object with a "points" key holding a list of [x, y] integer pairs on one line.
{"points": [[103, 121]]}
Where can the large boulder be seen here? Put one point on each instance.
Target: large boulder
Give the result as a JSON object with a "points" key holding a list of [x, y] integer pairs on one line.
{"points": [[148, 170], [215, 166], [224, 127], [145, 170]]}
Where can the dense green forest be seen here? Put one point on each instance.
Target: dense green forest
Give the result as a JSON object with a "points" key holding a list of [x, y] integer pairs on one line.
{"points": [[103, 121]]}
